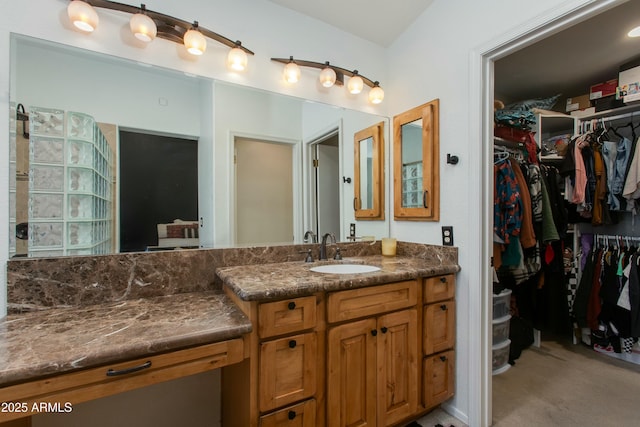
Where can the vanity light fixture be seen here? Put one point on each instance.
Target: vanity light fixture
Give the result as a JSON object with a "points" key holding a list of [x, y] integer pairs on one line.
{"points": [[82, 15], [330, 75], [146, 25], [143, 27], [194, 41]]}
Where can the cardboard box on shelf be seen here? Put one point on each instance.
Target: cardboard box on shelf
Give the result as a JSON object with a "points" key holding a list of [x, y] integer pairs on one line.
{"points": [[578, 103], [602, 90]]}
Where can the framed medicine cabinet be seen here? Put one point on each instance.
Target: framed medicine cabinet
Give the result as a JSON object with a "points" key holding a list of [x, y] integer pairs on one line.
{"points": [[368, 201], [416, 167]]}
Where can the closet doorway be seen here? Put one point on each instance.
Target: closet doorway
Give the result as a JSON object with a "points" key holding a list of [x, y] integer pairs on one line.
{"points": [[504, 61]]}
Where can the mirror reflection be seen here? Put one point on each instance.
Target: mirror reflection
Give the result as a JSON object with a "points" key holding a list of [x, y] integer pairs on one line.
{"points": [[412, 164], [142, 204], [366, 173]]}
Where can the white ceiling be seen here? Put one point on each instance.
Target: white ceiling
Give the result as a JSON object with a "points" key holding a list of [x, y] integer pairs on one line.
{"points": [[379, 21]]}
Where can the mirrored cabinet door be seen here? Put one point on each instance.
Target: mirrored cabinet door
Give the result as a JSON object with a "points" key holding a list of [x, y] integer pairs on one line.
{"points": [[416, 166], [368, 201]]}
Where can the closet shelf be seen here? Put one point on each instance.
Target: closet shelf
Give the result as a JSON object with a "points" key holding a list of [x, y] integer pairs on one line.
{"points": [[629, 108]]}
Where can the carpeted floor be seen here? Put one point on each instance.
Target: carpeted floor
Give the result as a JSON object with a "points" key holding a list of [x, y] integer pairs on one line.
{"points": [[561, 384]]}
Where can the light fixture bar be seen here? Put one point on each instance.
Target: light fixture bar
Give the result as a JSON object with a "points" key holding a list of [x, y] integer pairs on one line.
{"points": [[340, 72], [169, 28]]}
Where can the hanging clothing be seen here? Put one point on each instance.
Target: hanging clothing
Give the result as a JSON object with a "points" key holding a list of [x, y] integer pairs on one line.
{"points": [[507, 206]]}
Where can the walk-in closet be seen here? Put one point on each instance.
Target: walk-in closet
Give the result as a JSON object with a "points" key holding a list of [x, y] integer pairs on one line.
{"points": [[566, 256]]}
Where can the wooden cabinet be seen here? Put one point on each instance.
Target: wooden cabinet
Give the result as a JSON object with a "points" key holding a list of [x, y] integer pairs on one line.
{"points": [[416, 164], [439, 318], [373, 356], [372, 363]]}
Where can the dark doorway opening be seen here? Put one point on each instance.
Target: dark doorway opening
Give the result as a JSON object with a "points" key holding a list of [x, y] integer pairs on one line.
{"points": [[158, 184]]}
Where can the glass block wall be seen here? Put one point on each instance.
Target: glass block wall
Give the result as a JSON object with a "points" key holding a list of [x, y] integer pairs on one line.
{"points": [[70, 196]]}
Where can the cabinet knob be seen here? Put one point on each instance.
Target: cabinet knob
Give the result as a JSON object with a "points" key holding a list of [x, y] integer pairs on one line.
{"points": [[374, 332], [384, 329], [291, 415], [443, 358], [292, 344], [291, 305], [443, 279], [443, 307]]}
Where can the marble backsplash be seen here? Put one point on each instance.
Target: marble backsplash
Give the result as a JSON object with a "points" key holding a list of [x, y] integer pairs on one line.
{"points": [[43, 283]]}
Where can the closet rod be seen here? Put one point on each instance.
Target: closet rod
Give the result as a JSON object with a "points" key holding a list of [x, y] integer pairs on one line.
{"points": [[616, 237], [617, 117]]}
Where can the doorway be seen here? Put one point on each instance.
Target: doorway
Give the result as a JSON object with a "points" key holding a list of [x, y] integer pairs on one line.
{"points": [[483, 125], [158, 184], [324, 165], [264, 191]]}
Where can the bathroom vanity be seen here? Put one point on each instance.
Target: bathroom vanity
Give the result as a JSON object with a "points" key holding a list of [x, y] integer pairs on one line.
{"points": [[296, 346]]}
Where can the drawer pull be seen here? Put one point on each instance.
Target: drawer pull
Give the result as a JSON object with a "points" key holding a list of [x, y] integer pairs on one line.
{"points": [[291, 305], [115, 373], [443, 307], [384, 329], [443, 358], [443, 279], [291, 415], [374, 332], [293, 344]]}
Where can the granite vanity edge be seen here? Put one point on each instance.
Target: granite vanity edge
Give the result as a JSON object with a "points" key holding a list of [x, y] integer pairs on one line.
{"points": [[331, 282], [23, 362]]}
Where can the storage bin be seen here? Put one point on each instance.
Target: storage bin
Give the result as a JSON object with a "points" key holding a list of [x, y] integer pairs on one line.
{"points": [[502, 304], [501, 329], [500, 354]]}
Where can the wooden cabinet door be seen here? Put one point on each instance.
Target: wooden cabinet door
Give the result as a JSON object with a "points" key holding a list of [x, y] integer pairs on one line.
{"points": [[351, 376], [439, 326], [439, 374], [397, 366], [287, 370]]}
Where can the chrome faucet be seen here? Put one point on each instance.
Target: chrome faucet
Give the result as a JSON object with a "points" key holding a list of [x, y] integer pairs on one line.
{"points": [[310, 233], [323, 245]]}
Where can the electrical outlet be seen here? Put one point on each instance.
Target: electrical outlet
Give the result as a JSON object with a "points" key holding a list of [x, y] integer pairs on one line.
{"points": [[447, 235], [352, 230]]}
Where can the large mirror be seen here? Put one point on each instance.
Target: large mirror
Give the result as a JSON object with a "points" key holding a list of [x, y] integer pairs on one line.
{"points": [[416, 169], [195, 162]]}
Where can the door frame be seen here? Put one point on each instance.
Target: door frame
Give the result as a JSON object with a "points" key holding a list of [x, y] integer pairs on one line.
{"points": [[481, 72], [297, 178]]}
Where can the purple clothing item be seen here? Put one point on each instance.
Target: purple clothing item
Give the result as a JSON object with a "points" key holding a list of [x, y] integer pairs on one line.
{"points": [[586, 243]]}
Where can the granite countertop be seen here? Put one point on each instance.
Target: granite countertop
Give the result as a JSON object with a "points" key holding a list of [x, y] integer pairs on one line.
{"points": [[56, 341], [293, 279]]}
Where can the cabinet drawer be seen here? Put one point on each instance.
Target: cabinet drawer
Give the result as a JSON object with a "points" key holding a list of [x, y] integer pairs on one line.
{"points": [[355, 303], [287, 370], [301, 415], [439, 375], [287, 316], [439, 288], [439, 326], [89, 384]]}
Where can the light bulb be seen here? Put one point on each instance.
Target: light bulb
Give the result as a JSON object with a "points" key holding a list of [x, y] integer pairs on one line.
{"points": [[194, 41], [327, 76], [143, 27], [376, 94], [634, 32], [355, 84], [82, 15], [237, 59], [291, 72]]}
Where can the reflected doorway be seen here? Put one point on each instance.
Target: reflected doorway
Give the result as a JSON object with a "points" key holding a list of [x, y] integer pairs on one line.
{"points": [[264, 191], [158, 185], [325, 184]]}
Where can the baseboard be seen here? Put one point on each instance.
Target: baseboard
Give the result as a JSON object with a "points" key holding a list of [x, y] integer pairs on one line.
{"points": [[455, 412]]}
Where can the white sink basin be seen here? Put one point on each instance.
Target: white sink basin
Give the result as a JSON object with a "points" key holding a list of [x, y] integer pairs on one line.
{"points": [[345, 268]]}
